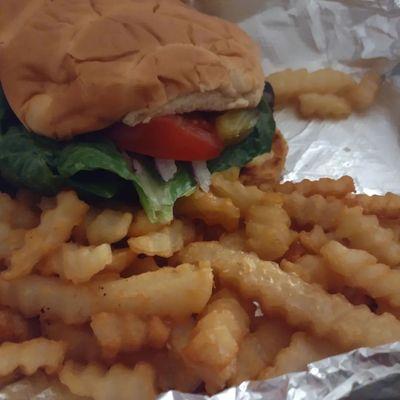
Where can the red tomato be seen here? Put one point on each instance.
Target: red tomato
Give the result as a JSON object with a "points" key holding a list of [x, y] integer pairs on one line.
{"points": [[171, 137]]}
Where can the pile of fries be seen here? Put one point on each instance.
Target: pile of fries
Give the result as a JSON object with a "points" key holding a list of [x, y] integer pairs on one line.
{"points": [[248, 282]]}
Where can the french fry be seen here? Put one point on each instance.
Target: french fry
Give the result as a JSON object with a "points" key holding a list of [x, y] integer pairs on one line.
{"points": [[364, 94], [302, 350], [128, 333], [141, 225], [10, 240], [163, 293], [323, 186], [387, 206], [364, 232], [214, 341], [209, 208], [165, 242], [121, 260], [13, 327], [31, 355], [268, 230], [54, 229], [313, 241], [315, 210], [301, 304], [77, 263], [242, 196], [109, 226], [118, 382], [360, 269], [145, 264], [393, 225], [323, 106], [314, 269], [235, 240], [81, 344], [259, 349], [7, 208]]}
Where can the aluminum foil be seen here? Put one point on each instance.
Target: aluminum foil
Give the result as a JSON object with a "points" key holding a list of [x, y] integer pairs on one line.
{"points": [[353, 36]]}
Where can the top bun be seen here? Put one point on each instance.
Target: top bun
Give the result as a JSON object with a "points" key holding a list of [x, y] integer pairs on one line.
{"points": [[75, 66]]}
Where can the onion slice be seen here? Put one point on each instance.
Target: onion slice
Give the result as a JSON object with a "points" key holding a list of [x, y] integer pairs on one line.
{"points": [[166, 168], [202, 175]]}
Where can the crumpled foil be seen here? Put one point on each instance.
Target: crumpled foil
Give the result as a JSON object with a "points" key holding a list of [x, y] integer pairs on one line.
{"points": [[349, 35]]}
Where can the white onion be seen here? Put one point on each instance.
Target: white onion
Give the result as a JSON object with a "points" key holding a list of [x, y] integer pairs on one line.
{"points": [[166, 168], [202, 175], [137, 166]]}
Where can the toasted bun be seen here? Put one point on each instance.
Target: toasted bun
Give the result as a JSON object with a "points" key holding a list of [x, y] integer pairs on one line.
{"points": [[78, 66]]}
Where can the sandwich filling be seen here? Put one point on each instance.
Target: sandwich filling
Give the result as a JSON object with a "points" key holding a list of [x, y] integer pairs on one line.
{"points": [[161, 160]]}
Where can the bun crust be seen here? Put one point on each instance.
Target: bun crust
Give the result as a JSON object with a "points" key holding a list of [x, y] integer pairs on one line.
{"points": [[77, 66]]}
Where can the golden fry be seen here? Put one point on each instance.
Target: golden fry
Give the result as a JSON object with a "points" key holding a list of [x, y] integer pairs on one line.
{"points": [[364, 94], [121, 260], [10, 240], [13, 327], [141, 225], [323, 106], [235, 240], [313, 241]]}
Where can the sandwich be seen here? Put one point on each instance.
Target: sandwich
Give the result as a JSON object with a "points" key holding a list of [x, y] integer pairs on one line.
{"points": [[127, 99]]}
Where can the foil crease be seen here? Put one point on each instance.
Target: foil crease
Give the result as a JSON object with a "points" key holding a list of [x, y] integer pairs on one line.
{"points": [[349, 35]]}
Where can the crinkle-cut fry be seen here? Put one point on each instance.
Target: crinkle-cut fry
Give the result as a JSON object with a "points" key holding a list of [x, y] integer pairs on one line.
{"points": [[214, 342], [7, 208], [119, 382], [314, 210], [141, 225], [387, 206], [393, 225], [10, 240], [128, 333], [209, 208], [164, 243], [323, 186], [268, 230], [323, 106], [54, 229], [142, 265], [289, 83], [383, 307], [302, 350], [234, 240], [242, 196], [360, 269], [300, 303], [364, 94], [110, 226], [314, 269], [259, 348], [313, 241], [163, 293], [76, 263], [121, 260], [31, 355], [364, 232], [266, 170], [14, 327]]}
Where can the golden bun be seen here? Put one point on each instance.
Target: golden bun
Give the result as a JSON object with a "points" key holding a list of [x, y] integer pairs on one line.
{"points": [[76, 66]]}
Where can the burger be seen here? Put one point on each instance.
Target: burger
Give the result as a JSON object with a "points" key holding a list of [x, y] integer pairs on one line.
{"points": [[128, 98]]}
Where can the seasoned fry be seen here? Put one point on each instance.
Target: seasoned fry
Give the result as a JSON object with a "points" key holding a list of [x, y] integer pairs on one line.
{"points": [[161, 293], [323, 106], [118, 382], [165, 242], [301, 304], [13, 327], [81, 344], [242, 196], [214, 342], [77, 263], [364, 94], [127, 332], [290, 83], [315, 210], [323, 186], [313, 240], [268, 230], [31, 355], [364, 232], [302, 350], [54, 229], [266, 170], [121, 260], [109, 226], [360, 269], [209, 208], [387, 206], [259, 349], [314, 269]]}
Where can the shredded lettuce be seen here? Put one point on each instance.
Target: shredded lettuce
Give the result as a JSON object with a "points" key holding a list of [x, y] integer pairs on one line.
{"points": [[94, 167]]}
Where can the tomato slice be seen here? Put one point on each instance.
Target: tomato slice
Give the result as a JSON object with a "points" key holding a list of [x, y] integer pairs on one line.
{"points": [[173, 137]]}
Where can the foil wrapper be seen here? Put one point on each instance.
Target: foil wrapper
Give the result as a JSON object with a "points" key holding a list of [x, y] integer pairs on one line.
{"points": [[349, 35]]}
